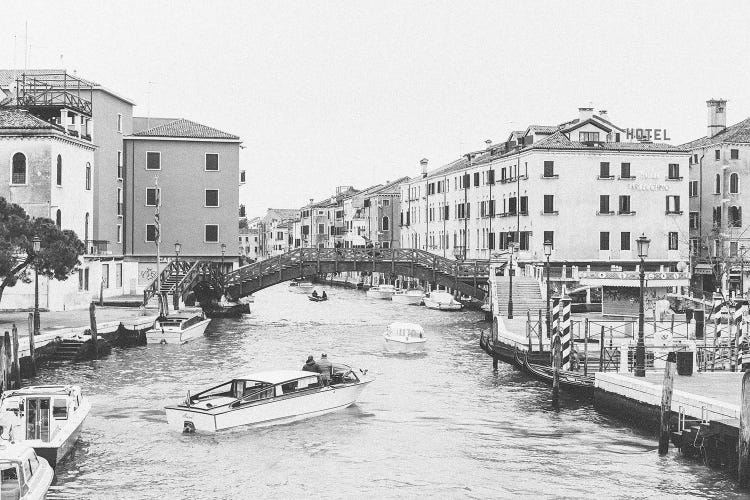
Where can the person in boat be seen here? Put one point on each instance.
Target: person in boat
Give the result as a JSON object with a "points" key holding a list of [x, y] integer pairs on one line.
{"points": [[310, 365], [326, 369], [315, 293], [324, 296]]}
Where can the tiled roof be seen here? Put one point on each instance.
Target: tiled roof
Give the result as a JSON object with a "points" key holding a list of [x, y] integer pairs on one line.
{"points": [[559, 140], [739, 132], [18, 119], [182, 128], [391, 187], [284, 213], [542, 129]]}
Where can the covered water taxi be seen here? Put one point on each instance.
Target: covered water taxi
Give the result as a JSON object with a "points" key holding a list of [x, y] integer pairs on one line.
{"points": [[23, 474], [404, 337], [177, 328]]}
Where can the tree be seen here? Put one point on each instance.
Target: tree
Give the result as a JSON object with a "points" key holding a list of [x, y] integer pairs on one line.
{"points": [[59, 253]]}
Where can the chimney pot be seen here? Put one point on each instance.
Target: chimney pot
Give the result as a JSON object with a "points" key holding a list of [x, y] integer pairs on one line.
{"points": [[488, 142], [423, 162], [585, 113]]}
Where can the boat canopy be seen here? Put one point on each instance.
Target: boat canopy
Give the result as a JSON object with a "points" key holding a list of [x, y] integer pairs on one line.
{"points": [[276, 376], [403, 329]]}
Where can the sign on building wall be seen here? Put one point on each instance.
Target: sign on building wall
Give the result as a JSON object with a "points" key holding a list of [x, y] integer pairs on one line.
{"points": [[647, 134]]}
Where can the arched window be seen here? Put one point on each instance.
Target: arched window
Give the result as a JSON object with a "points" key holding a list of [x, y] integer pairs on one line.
{"points": [[735, 216], [88, 176], [386, 224], [717, 184], [734, 183], [18, 175], [58, 218], [59, 170]]}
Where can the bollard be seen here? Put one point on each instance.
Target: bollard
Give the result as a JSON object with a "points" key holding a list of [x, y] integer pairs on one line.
{"points": [[16, 371], [556, 361], [743, 465], [94, 335], [666, 403]]}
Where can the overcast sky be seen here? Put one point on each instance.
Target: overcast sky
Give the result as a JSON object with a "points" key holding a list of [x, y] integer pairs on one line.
{"points": [[355, 93]]}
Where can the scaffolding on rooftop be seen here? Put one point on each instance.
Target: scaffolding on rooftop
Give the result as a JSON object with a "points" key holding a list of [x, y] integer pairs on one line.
{"points": [[54, 91]]}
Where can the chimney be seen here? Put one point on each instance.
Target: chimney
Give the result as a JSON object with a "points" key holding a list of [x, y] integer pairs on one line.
{"points": [[488, 143], [603, 114], [424, 162], [717, 116], [585, 113]]}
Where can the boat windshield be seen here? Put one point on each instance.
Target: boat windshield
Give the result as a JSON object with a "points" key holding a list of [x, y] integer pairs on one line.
{"points": [[343, 374], [405, 330], [9, 480]]}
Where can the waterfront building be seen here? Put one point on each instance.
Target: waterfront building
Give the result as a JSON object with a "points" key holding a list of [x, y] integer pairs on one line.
{"points": [[382, 210], [719, 237], [197, 168], [274, 232], [248, 240]]}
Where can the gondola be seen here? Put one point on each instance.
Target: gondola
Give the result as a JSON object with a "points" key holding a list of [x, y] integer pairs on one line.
{"points": [[572, 381]]}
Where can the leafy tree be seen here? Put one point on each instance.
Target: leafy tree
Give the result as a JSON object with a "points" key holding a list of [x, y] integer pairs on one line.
{"points": [[59, 253]]}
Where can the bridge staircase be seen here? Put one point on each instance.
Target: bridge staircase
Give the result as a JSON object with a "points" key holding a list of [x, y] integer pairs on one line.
{"points": [[526, 295], [179, 278]]}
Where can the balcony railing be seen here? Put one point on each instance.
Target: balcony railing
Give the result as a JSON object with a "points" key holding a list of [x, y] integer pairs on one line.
{"points": [[97, 247]]}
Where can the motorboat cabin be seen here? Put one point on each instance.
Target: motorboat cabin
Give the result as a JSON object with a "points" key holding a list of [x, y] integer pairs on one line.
{"points": [[300, 286], [48, 418], [442, 301], [411, 297], [381, 291], [23, 474], [177, 328], [265, 398], [407, 337]]}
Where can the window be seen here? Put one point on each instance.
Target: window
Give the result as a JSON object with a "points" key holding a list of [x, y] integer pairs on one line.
{"points": [[212, 233], [490, 179], [604, 170], [212, 162], [604, 240], [59, 170], [716, 216], [386, 225], [733, 248], [119, 165], [105, 275], [119, 233], [694, 219], [550, 236], [503, 176], [152, 196], [604, 204], [242, 176], [119, 202], [549, 204], [625, 171], [734, 154], [734, 216], [693, 246], [549, 169], [476, 179], [717, 154], [673, 205], [674, 171], [673, 240], [717, 184], [151, 232], [588, 136], [88, 176], [321, 228], [386, 203], [212, 197], [465, 181], [523, 243], [153, 160], [734, 183], [18, 173], [118, 275], [624, 204], [693, 189], [625, 240], [524, 205], [119, 122], [58, 219]]}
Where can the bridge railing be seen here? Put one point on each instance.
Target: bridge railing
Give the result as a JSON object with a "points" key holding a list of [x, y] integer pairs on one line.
{"points": [[152, 289], [199, 269]]}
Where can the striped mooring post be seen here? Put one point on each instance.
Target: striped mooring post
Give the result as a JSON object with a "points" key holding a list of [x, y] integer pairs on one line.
{"points": [[565, 336], [555, 314], [718, 301]]}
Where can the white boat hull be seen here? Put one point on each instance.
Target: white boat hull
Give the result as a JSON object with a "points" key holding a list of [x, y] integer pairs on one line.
{"points": [[275, 411], [402, 345], [176, 336], [379, 294], [443, 306], [56, 450], [412, 300]]}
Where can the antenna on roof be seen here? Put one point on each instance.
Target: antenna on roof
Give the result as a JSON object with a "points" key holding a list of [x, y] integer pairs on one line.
{"points": [[26, 50]]}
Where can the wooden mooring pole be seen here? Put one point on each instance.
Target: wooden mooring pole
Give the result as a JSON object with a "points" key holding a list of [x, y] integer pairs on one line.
{"points": [[32, 354], [666, 403], [16, 371], [8, 362], [586, 348], [556, 362], [601, 350], [94, 334], [743, 466]]}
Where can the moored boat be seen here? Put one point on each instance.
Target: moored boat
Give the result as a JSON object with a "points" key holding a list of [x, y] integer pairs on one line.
{"points": [[48, 418], [442, 301], [265, 398], [177, 328], [300, 286], [409, 297], [404, 337], [381, 292], [25, 476], [570, 380]]}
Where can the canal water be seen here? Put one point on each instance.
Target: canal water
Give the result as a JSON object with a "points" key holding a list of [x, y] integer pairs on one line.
{"points": [[439, 425]]}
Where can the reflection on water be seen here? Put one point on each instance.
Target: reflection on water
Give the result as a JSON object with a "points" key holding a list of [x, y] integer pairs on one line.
{"points": [[439, 423]]}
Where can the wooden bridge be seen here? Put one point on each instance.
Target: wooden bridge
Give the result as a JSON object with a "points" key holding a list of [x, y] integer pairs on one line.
{"points": [[468, 277]]}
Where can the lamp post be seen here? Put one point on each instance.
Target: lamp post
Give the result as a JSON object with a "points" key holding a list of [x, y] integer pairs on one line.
{"points": [[640, 350], [36, 246], [742, 271], [547, 253], [223, 250], [510, 291], [177, 248]]}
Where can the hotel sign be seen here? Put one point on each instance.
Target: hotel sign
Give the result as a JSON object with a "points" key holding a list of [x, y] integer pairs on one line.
{"points": [[631, 275], [647, 134]]}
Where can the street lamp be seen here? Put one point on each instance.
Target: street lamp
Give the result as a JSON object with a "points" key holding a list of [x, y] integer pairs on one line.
{"points": [[640, 350], [36, 246], [510, 291], [547, 253], [177, 248], [223, 250]]}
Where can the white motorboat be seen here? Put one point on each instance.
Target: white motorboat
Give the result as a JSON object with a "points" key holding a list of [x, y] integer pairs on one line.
{"points": [[300, 286], [404, 337], [266, 398], [23, 474], [442, 301], [177, 328], [48, 418], [381, 291], [409, 297]]}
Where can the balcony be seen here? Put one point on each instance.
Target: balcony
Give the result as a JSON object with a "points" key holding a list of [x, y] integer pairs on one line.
{"points": [[97, 247]]}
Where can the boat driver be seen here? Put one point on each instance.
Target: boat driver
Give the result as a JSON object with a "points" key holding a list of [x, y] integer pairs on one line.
{"points": [[326, 369]]}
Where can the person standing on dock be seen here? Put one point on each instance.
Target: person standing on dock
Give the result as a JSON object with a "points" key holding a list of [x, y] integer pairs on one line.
{"points": [[326, 369]]}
